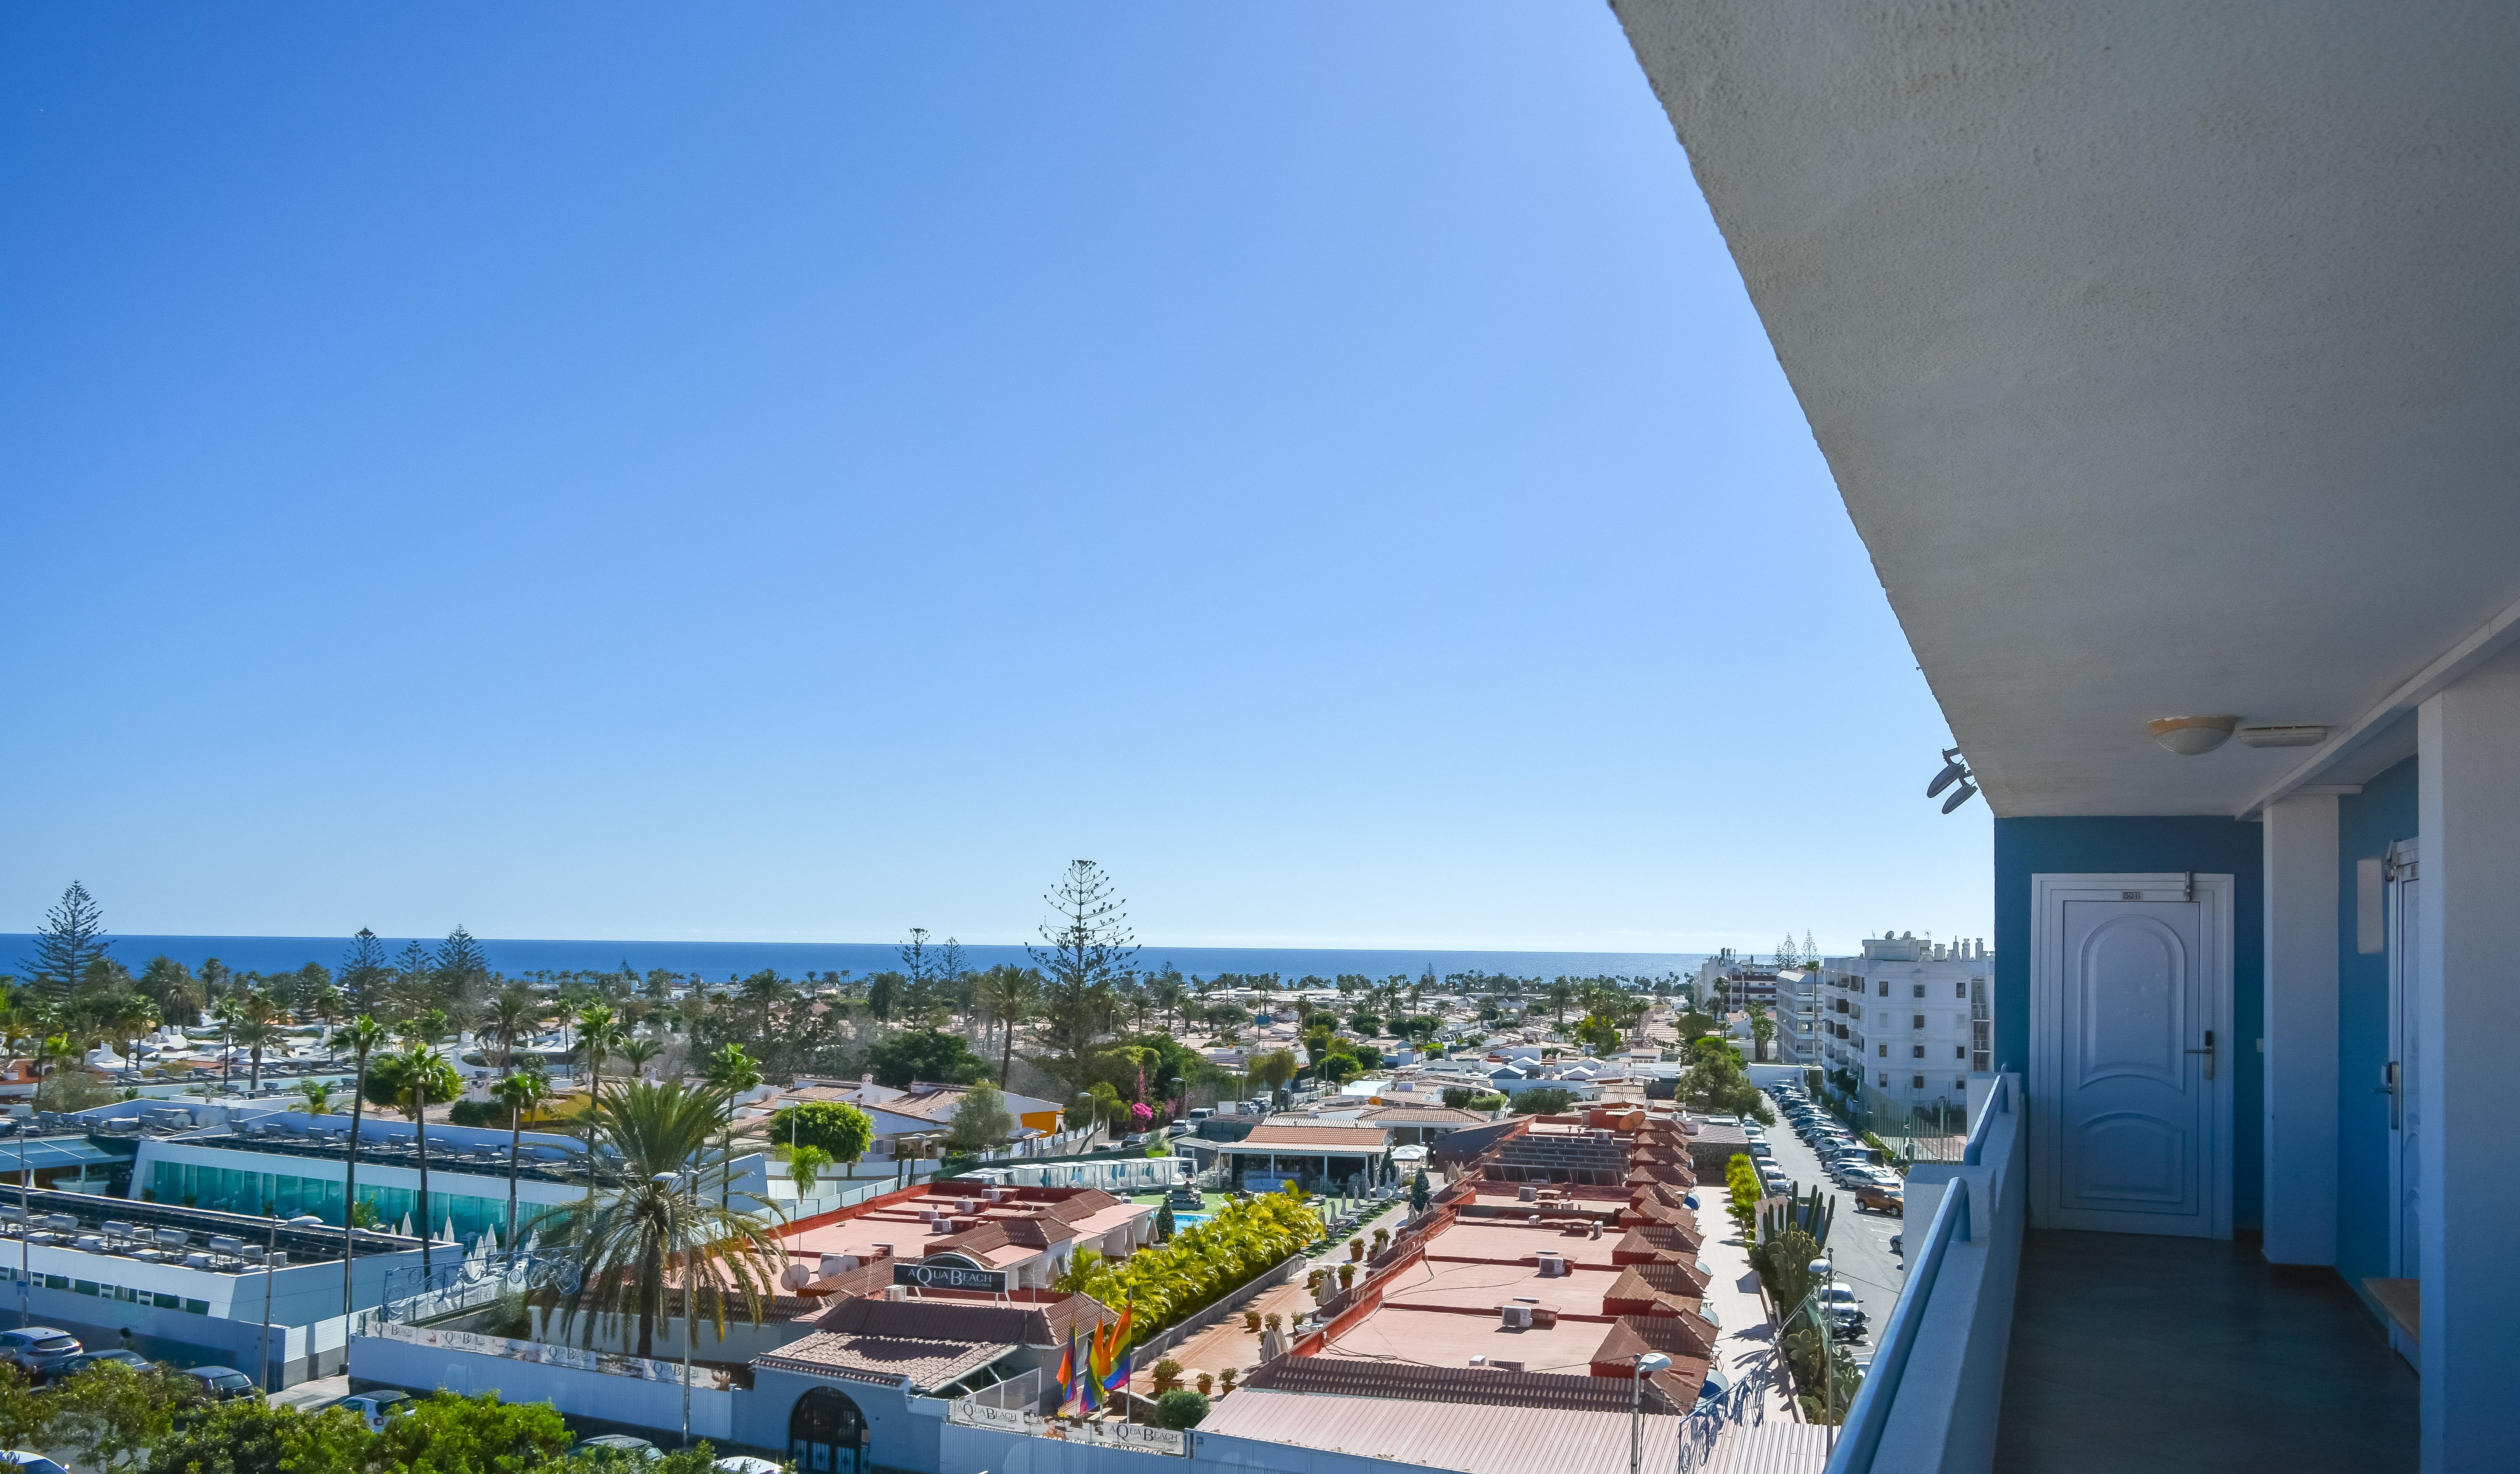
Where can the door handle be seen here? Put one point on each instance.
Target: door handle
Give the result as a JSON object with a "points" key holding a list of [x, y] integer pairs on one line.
{"points": [[2208, 1053], [2390, 1090]]}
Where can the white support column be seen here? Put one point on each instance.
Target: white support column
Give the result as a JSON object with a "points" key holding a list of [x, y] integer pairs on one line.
{"points": [[2467, 1014], [2301, 980]]}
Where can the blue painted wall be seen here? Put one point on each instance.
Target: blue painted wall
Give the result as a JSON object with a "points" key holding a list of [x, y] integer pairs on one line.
{"points": [[2366, 825], [2209, 844]]}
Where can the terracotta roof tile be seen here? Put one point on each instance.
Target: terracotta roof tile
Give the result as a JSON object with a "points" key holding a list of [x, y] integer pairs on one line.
{"points": [[920, 1363]]}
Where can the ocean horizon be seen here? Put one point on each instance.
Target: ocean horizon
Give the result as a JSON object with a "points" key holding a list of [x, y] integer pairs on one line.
{"points": [[718, 960]]}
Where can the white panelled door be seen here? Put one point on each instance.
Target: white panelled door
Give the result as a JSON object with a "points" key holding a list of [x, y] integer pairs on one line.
{"points": [[2130, 1052]]}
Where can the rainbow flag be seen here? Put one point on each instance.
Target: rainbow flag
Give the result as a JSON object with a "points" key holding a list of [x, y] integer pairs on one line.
{"points": [[1067, 1370], [1119, 1375]]}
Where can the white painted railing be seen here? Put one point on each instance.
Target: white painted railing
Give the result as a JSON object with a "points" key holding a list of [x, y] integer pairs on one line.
{"points": [[1930, 1404]]}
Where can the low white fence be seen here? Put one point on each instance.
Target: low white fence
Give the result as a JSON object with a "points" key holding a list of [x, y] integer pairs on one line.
{"points": [[612, 1388], [1133, 1438]]}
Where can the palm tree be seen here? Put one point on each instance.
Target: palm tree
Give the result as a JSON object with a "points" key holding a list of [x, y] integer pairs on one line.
{"points": [[520, 1092], [425, 1080], [639, 1051], [731, 1072], [1015, 998], [650, 1216], [318, 1096], [363, 1035], [598, 1034], [253, 1028], [129, 1016], [511, 1017], [225, 1013]]}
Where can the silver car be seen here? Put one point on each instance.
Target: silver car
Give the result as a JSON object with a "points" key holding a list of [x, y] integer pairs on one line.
{"points": [[38, 1348]]}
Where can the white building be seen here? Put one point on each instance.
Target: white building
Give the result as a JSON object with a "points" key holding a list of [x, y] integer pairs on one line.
{"points": [[1912, 1018]]}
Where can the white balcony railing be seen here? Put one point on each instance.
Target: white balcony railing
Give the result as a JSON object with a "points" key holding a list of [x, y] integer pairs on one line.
{"points": [[1936, 1387]]}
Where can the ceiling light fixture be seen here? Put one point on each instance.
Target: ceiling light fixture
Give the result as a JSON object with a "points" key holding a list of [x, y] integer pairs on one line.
{"points": [[2192, 736], [1955, 770], [2281, 736]]}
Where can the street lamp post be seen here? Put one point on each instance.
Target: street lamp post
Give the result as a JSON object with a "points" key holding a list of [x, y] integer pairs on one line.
{"points": [[1821, 1269], [1646, 1362]]}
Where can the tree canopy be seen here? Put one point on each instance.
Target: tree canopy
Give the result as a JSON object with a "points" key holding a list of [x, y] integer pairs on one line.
{"points": [[834, 1125], [924, 1054]]}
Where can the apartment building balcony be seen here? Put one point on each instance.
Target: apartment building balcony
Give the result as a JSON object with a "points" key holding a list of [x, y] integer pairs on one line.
{"points": [[2163, 357]]}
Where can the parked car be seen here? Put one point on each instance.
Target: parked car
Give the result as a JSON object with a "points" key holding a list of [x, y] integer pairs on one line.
{"points": [[374, 1408], [1879, 1200], [1839, 1301], [620, 1441], [1761, 1150], [85, 1360], [37, 1349], [19, 1463], [220, 1383], [739, 1463], [1140, 1139], [1898, 1242]]}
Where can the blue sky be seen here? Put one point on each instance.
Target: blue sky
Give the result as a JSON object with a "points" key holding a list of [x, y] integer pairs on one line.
{"points": [[802, 472]]}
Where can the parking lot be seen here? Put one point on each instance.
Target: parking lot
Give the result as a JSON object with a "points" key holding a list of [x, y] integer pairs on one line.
{"points": [[1859, 1243]]}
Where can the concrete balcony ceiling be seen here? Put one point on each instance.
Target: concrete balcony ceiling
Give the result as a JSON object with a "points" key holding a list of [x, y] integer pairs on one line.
{"points": [[2165, 356]]}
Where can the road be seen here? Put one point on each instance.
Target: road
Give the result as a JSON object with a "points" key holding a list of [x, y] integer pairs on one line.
{"points": [[1859, 1243]]}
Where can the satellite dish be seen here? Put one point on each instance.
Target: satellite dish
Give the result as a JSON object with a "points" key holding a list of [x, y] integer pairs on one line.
{"points": [[794, 1277]]}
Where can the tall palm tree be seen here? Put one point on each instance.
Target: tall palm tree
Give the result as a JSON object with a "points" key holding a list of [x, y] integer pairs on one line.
{"points": [[362, 1035], [599, 1033], [129, 1016], [520, 1092], [511, 1017], [648, 1216], [255, 1030], [427, 1080], [731, 1072], [1015, 998]]}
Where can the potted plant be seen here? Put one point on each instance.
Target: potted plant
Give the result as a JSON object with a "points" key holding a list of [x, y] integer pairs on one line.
{"points": [[1224, 1384], [1251, 1322], [1275, 1320], [1381, 1241], [1168, 1375], [1206, 1384], [1356, 1248], [1348, 1276]]}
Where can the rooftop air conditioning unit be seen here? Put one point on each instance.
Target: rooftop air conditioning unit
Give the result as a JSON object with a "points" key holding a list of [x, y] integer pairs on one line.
{"points": [[171, 1238], [1527, 1193], [1516, 1317], [89, 1243], [278, 1259], [117, 1229], [62, 1223], [966, 1206], [196, 1261], [226, 1243], [896, 1292], [1552, 1265]]}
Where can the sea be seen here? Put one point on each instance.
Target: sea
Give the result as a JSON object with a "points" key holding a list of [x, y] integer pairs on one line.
{"points": [[713, 961]]}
